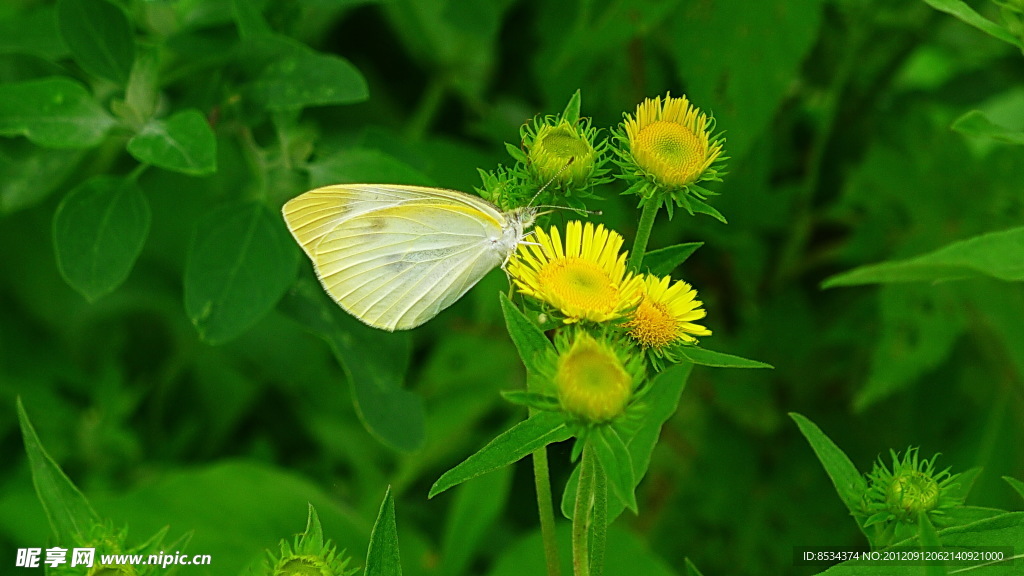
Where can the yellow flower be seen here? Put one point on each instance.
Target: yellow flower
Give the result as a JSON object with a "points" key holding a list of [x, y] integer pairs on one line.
{"points": [[585, 279], [592, 381], [671, 142], [666, 314]]}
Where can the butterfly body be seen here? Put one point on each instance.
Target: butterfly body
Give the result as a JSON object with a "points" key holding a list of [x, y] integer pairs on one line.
{"points": [[394, 256]]}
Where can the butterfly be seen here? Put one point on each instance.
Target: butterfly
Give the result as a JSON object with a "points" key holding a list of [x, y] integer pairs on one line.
{"points": [[395, 256]]}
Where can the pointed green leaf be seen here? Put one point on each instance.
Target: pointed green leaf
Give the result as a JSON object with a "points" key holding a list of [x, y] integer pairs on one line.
{"points": [[314, 533], [663, 261], [382, 556], [995, 255], [99, 36], [848, 481], [975, 123], [571, 114], [967, 15], [691, 569], [531, 343], [52, 112], [614, 457], [374, 361], [1015, 484], [98, 232], [509, 447], [307, 78], [718, 359], [70, 514], [241, 261], [478, 504], [182, 143], [700, 207]]}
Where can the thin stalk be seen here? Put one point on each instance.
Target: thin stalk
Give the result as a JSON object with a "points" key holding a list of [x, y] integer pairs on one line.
{"points": [[581, 515], [546, 510], [643, 233], [426, 110], [599, 527]]}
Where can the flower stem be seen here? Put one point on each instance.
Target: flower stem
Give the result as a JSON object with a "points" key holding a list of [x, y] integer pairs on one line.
{"points": [[547, 515], [599, 527], [581, 515], [643, 233]]}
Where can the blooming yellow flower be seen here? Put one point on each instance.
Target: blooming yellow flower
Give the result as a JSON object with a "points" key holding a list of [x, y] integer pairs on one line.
{"points": [[585, 278], [592, 381], [666, 314], [671, 142]]}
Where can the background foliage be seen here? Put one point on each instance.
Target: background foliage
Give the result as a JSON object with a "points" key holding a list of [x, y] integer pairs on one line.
{"points": [[181, 364]]}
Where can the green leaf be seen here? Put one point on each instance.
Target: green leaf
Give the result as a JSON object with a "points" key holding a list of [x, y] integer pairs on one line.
{"points": [[98, 233], [306, 79], [571, 114], [614, 457], [967, 15], [1015, 484], [509, 447], [33, 32], [31, 173], [929, 538], [382, 556], [691, 569], [975, 123], [142, 95], [659, 404], [53, 112], [374, 361], [663, 261], [241, 261], [236, 506], [477, 506], [718, 359], [314, 532], [249, 19], [71, 517], [364, 165], [531, 343], [1005, 530], [99, 36], [849, 483], [729, 56], [994, 255], [920, 326], [182, 143]]}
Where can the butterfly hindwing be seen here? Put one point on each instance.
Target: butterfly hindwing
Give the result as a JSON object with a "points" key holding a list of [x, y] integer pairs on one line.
{"points": [[399, 266]]}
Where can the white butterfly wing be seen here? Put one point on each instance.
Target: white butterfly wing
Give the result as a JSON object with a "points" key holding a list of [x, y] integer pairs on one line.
{"points": [[312, 215], [395, 256]]}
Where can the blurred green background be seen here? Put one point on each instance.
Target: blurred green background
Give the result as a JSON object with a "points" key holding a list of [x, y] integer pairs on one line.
{"points": [[837, 115]]}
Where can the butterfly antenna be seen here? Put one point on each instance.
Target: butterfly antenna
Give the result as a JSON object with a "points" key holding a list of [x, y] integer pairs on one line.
{"points": [[548, 183]]}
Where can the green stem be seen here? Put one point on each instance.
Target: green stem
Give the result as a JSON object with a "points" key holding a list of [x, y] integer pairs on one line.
{"points": [[599, 527], [581, 515], [643, 233], [426, 110], [547, 513]]}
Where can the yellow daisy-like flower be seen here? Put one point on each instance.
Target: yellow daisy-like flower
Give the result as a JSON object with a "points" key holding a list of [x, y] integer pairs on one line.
{"points": [[671, 142], [666, 314], [592, 381], [585, 278]]}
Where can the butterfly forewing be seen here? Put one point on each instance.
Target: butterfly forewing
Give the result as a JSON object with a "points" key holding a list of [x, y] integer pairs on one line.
{"points": [[396, 256]]}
